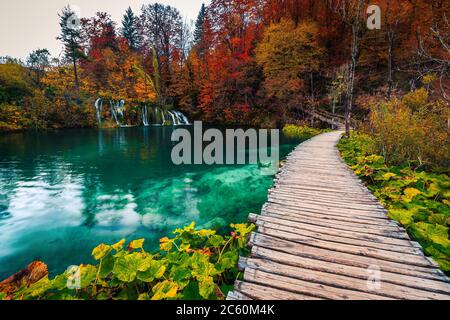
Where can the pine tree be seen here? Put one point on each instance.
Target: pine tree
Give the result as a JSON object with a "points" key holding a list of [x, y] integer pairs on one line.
{"points": [[38, 61], [198, 33], [71, 38], [130, 30]]}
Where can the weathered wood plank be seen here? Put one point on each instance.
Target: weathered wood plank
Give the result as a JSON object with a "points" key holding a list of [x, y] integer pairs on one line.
{"points": [[331, 216], [235, 295], [385, 289], [362, 219], [411, 259], [341, 257], [335, 232], [305, 287], [262, 292], [389, 232], [337, 238], [349, 271]]}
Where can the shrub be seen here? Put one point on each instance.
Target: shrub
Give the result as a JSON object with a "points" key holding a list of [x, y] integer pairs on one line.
{"points": [[411, 129], [195, 264], [417, 199], [11, 118], [301, 132]]}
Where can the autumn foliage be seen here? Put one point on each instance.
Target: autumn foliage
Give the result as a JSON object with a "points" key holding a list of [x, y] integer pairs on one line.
{"points": [[252, 62]]}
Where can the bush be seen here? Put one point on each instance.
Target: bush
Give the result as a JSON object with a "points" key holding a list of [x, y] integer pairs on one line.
{"points": [[411, 129], [195, 264], [417, 199], [301, 132], [11, 118]]}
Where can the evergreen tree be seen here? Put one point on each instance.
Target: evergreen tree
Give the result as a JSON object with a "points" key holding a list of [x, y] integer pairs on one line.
{"points": [[130, 30], [71, 38], [38, 61], [198, 33]]}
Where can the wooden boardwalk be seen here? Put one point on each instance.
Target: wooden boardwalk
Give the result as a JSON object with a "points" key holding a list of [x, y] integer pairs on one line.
{"points": [[323, 235]]}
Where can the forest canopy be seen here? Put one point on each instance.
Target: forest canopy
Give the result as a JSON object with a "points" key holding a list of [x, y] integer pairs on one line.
{"points": [[245, 62]]}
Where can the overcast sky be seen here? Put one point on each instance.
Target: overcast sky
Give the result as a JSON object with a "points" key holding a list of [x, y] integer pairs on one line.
{"points": [[26, 25]]}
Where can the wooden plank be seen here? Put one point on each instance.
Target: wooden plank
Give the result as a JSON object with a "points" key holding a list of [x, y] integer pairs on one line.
{"points": [[333, 207], [389, 233], [235, 295], [325, 190], [385, 289], [355, 203], [262, 292], [335, 232], [351, 210], [411, 259], [341, 257], [317, 195], [337, 239], [336, 220], [331, 216], [305, 287], [318, 208], [349, 271], [366, 219]]}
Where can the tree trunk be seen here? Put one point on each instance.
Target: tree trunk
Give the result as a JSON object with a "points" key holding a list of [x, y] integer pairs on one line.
{"points": [[390, 48], [75, 73], [351, 81]]}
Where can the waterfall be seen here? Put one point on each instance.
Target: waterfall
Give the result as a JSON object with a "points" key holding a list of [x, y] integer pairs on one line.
{"points": [[114, 113], [120, 107], [183, 117], [99, 109], [118, 114], [163, 117], [180, 120], [117, 110], [145, 116], [174, 122]]}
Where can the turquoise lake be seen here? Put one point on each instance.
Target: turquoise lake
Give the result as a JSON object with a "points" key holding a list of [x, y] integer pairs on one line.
{"points": [[64, 192]]}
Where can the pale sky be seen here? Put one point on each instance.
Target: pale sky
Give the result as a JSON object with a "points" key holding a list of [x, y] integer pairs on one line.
{"points": [[26, 25]]}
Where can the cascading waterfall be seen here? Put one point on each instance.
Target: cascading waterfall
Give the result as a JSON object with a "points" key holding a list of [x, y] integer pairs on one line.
{"points": [[163, 118], [145, 116], [117, 109], [183, 117], [174, 122], [98, 110]]}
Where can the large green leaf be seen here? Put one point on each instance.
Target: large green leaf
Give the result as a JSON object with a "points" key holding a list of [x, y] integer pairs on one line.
{"points": [[156, 270], [127, 267], [227, 261], [100, 251], [165, 290]]}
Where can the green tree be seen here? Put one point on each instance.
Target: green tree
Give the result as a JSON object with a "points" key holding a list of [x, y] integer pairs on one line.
{"points": [[38, 61], [130, 30], [14, 83], [198, 33], [71, 38]]}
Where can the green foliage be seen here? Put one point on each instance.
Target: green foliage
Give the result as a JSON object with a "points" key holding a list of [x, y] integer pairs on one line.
{"points": [[302, 132], [194, 264], [14, 83], [130, 30], [419, 200]]}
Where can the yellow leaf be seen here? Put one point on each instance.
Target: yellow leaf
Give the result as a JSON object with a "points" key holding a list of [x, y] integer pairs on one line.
{"points": [[410, 193]]}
